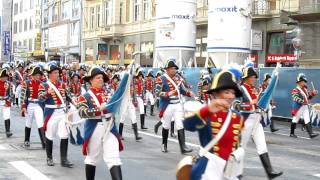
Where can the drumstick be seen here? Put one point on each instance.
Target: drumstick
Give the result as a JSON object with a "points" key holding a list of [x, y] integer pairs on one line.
{"points": [[312, 86]]}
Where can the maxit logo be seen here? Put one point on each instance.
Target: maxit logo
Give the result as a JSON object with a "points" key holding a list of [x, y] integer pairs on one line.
{"points": [[187, 16], [225, 9]]}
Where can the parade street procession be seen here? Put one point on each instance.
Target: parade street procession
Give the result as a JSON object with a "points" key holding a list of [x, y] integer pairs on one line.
{"points": [[115, 117]]}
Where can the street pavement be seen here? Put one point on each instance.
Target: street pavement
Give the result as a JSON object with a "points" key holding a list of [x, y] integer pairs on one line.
{"points": [[298, 158]]}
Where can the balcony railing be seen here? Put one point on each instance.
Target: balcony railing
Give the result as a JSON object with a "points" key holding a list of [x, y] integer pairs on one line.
{"points": [[262, 8], [310, 9]]}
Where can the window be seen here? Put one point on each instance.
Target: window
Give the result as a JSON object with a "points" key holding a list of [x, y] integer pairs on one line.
{"points": [[98, 16], [30, 45], [136, 10], [20, 26], [107, 13], [25, 43], [15, 27], [127, 10], [15, 9], [14, 45], [276, 41], [21, 6], [25, 25], [55, 13], [75, 8], [31, 4], [92, 18], [65, 9], [31, 24], [45, 17], [120, 13], [146, 9]]}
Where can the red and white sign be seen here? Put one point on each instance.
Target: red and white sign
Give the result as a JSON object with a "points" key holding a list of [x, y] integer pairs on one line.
{"points": [[272, 58]]}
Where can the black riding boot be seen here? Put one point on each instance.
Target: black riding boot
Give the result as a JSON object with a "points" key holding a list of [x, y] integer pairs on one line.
{"points": [[49, 145], [142, 118], [145, 110], [310, 132], [293, 127], [135, 130], [165, 135], [63, 154], [7, 127], [90, 172], [182, 142], [156, 127], [116, 173], [267, 166], [152, 110], [42, 138], [272, 129], [27, 132], [121, 130], [172, 130]]}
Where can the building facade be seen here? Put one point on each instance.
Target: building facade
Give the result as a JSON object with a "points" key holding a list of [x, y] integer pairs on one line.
{"points": [[26, 21], [61, 30], [6, 34], [114, 29]]}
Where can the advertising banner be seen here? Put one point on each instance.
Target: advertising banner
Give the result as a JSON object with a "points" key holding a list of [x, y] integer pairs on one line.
{"points": [[175, 27], [6, 43], [229, 26]]}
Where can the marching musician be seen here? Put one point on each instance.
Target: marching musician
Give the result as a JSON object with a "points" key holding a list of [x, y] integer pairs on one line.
{"points": [[139, 94], [99, 139], [129, 112], [268, 120], [30, 106], [65, 73], [18, 78], [253, 127], [75, 85], [54, 95], [169, 88], [301, 97], [149, 86], [208, 121], [5, 100]]}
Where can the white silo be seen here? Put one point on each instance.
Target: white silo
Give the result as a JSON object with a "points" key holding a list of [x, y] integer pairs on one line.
{"points": [[175, 31], [229, 31]]}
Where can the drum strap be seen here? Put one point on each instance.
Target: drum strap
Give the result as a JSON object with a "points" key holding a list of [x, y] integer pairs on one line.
{"points": [[246, 93], [55, 90], [20, 76], [216, 139], [303, 93]]}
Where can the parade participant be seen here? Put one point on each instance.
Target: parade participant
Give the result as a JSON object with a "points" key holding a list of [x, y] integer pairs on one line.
{"points": [[17, 80], [209, 120], [30, 106], [5, 100], [139, 95], [98, 138], [129, 112], [82, 73], [149, 86], [75, 85], [203, 96], [114, 82], [64, 77], [253, 128], [300, 107], [54, 95], [268, 118], [170, 88]]}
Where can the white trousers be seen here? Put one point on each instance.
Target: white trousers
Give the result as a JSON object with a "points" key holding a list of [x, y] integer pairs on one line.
{"points": [[34, 111], [140, 105], [215, 168], [173, 112], [57, 125], [4, 112], [129, 113], [108, 147], [303, 112], [253, 129], [149, 97]]}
